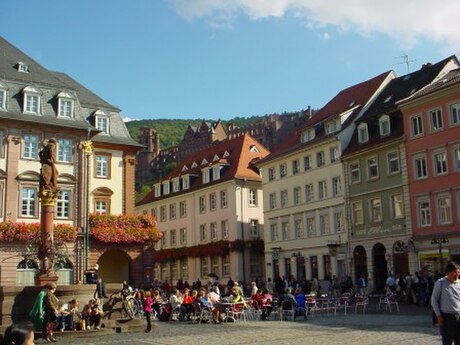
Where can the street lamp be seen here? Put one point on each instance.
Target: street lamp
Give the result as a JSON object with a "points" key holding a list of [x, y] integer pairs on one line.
{"points": [[440, 241]]}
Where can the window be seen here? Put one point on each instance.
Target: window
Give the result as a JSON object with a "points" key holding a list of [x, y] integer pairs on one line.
{"points": [[393, 163], [163, 239], [183, 235], [454, 110], [30, 148], [253, 228], [162, 213], [297, 196], [307, 135], [157, 190], [424, 212], [172, 211], [176, 185], [184, 268], [336, 186], [223, 199], [307, 163], [322, 190], [272, 200], [172, 238], [324, 224], [330, 127], [252, 197], [202, 204], [416, 125], [166, 187], [320, 161], [203, 234], [420, 169], [173, 266], [213, 229], [186, 182], [363, 135], [357, 212], [205, 175], [334, 153], [204, 266], [224, 229], [443, 209], [384, 125], [327, 266], [32, 102], [376, 210], [283, 170], [397, 208], [102, 124], [338, 222], [298, 228], [153, 212], [372, 168], [355, 175], [295, 167], [284, 198], [102, 207], [274, 231], [440, 163], [65, 104], [436, 120], [182, 209], [28, 202], [271, 174], [311, 227], [215, 267], [212, 201], [457, 158], [2, 98], [102, 166], [309, 196], [64, 150], [63, 204], [226, 265], [216, 172], [285, 232]]}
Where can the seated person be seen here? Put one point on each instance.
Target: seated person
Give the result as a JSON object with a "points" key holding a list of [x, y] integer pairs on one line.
{"points": [[287, 296], [300, 301], [175, 299], [68, 315], [214, 298], [186, 308], [92, 314], [261, 304]]}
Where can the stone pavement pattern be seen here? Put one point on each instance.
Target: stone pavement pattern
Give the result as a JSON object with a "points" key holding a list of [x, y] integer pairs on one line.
{"points": [[356, 329]]}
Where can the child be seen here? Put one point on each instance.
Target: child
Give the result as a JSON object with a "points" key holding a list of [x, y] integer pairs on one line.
{"points": [[148, 310]]}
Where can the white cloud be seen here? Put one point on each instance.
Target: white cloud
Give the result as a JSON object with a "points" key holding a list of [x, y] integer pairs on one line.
{"points": [[128, 119], [407, 22]]}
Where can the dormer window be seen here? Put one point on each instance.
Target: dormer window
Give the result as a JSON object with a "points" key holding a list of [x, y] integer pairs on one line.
{"points": [[3, 89], [384, 125], [254, 149], [31, 100], [216, 172], [101, 121], [65, 104], [194, 165], [206, 176], [22, 67], [363, 135], [166, 187], [204, 161], [157, 190], [176, 185], [307, 135], [184, 168], [186, 182], [331, 127]]}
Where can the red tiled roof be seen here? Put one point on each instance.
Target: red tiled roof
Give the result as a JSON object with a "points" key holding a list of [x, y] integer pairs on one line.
{"points": [[239, 164], [356, 96]]}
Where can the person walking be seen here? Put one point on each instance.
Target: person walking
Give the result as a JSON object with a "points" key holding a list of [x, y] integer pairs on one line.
{"points": [[148, 302], [52, 311], [37, 313], [445, 301]]}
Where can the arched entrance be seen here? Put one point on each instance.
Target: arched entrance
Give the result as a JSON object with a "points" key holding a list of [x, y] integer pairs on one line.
{"points": [[380, 266], [114, 266], [360, 260], [400, 258]]}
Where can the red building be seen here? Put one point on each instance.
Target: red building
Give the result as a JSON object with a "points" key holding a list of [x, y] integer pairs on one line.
{"points": [[432, 127]]}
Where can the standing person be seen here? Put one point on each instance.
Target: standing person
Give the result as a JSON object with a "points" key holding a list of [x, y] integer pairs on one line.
{"points": [[99, 293], [148, 302], [37, 312], [445, 301], [52, 311], [21, 334], [362, 285]]}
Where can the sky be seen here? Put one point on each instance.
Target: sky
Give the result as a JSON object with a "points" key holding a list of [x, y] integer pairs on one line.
{"points": [[218, 59]]}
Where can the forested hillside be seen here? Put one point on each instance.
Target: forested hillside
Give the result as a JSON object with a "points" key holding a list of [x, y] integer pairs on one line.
{"points": [[172, 131]]}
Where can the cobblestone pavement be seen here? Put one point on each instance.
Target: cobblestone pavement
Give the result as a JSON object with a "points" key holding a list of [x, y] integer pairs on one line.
{"points": [[382, 328]]}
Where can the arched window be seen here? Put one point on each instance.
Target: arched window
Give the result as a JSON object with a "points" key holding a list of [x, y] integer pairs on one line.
{"points": [[25, 272], [64, 271]]}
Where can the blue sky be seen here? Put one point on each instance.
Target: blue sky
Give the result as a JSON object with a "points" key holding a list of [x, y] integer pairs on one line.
{"points": [[225, 58]]}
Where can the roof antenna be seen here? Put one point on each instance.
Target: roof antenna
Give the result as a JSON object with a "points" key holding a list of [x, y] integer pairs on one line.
{"points": [[405, 61]]}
